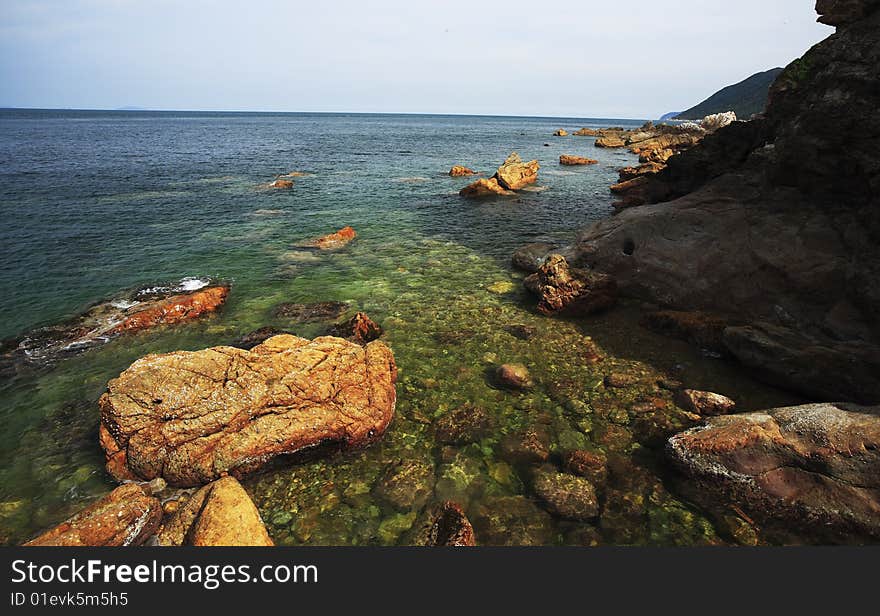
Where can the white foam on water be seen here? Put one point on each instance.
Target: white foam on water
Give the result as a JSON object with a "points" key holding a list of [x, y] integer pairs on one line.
{"points": [[124, 304], [192, 284]]}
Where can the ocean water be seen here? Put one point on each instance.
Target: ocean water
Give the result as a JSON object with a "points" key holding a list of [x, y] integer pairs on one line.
{"points": [[96, 202]]}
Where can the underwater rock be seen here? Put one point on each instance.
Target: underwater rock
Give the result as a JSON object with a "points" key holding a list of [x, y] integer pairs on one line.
{"points": [[522, 332], [531, 257], [561, 133], [567, 496], [574, 161], [129, 515], [459, 171], [258, 336], [565, 290], [332, 241], [309, 313], [591, 465], [406, 484], [514, 174], [132, 312], [513, 521], [464, 425], [443, 525], [702, 329], [813, 468], [191, 416], [620, 380], [531, 446], [513, 376], [360, 329], [219, 514], [704, 403], [484, 188]]}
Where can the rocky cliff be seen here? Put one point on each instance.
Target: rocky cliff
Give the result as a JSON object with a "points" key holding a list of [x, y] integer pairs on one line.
{"points": [[773, 224]]}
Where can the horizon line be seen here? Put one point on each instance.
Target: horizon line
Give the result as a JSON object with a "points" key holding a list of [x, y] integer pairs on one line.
{"points": [[252, 111]]}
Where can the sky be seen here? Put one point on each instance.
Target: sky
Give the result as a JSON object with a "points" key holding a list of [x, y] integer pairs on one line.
{"points": [[584, 58]]}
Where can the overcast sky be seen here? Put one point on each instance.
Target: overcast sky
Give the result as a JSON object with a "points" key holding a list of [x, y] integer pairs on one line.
{"points": [[584, 58]]}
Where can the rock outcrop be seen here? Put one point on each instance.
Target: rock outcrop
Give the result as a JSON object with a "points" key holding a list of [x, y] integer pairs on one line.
{"points": [[219, 514], [514, 174], [563, 290], [281, 184], [774, 222], [360, 329], [129, 515], [333, 241], [574, 161], [561, 133], [192, 416], [813, 470], [127, 313], [459, 171], [483, 188]]}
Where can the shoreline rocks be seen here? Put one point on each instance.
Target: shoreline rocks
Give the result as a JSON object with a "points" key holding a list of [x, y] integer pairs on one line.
{"points": [[191, 416], [568, 160], [458, 171], [563, 290], [511, 176], [332, 241], [483, 188], [813, 470], [129, 515]]}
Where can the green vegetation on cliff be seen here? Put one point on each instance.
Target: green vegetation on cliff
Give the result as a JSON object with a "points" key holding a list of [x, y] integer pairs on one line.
{"points": [[745, 98]]}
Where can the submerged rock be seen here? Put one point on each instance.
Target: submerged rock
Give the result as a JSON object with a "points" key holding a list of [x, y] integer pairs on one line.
{"points": [[702, 329], [563, 290], [129, 515], [360, 329], [309, 313], [132, 312], [814, 469], [561, 133], [484, 188], [591, 465], [332, 241], [444, 525], [191, 416], [531, 446], [704, 403], [282, 184], [573, 161], [514, 174], [567, 496], [258, 336], [406, 484], [219, 514], [513, 521], [531, 257], [459, 172], [461, 426], [513, 376]]}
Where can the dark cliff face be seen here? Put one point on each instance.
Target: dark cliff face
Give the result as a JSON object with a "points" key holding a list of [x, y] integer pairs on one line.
{"points": [[775, 221]]}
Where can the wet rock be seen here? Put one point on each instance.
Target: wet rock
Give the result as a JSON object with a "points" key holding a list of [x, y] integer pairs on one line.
{"points": [[567, 496], [701, 329], [591, 465], [464, 425], [258, 336], [620, 380], [458, 171], [513, 376], [812, 468], [444, 525], [531, 257], [191, 416], [523, 332], [128, 313], [624, 517], [502, 287], [126, 516], [531, 446], [586, 132], [360, 329], [575, 161], [282, 184], [483, 188], [309, 313], [219, 514], [704, 403], [568, 291], [332, 241], [561, 133], [513, 521], [406, 484], [514, 174]]}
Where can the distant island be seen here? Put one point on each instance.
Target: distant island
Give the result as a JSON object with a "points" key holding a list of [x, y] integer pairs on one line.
{"points": [[746, 98]]}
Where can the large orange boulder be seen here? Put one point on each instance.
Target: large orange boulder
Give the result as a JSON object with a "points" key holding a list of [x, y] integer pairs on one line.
{"points": [[459, 171], [174, 309], [483, 188], [129, 515], [514, 174], [190, 417]]}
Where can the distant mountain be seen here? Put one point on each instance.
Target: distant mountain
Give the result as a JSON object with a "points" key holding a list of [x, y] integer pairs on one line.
{"points": [[130, 109], [670, 116], [745, 98]]}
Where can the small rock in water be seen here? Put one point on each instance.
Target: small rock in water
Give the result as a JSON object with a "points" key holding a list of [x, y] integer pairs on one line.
{"points": [[466, 424], [514, 376], [531, 257], [406, 484], [564, 290], [704, 403], [523, 332], [576, 161], [567, 496], [561, 133], [332, 241], [501, 287], [444, 525], [530, 446], [620, 380], [360, 329], [258, 336], [282, 184], [459, 171], [591, 465]]}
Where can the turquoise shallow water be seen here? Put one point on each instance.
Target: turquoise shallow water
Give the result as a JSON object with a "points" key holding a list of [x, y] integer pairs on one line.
{"points": [[96, 202]]}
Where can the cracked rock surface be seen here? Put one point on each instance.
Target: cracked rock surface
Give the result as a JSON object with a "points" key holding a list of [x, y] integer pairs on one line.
{"points": [[191, 416]]}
